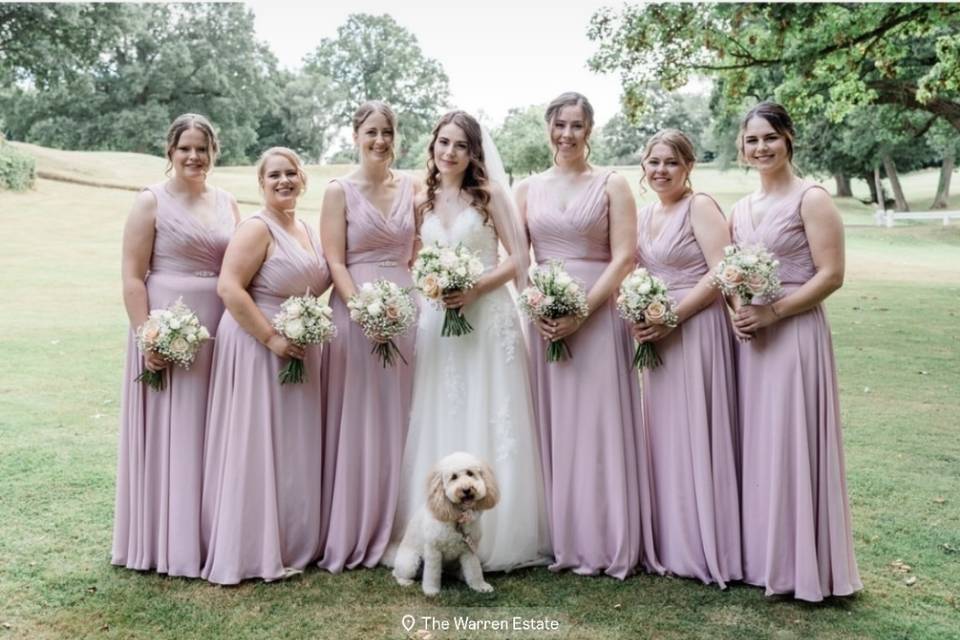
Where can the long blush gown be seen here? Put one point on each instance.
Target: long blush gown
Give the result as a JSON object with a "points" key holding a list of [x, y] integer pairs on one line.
{"points": [[472, 393], [594, 458], [690, 402], [159, 470], [262, 458], [796, 520], [366, 406]]}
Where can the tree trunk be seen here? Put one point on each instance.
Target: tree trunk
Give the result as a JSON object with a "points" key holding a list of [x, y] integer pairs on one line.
{"points": [[943, 186], [843, 185], [900, 202], [873, 187], [878, 189]]}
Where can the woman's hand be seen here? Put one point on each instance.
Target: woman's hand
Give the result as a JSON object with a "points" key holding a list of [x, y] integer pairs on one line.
{"points": [[749, 318], [646, 332], [559, 328], [460, 298], [284, 348], [153, 361]]}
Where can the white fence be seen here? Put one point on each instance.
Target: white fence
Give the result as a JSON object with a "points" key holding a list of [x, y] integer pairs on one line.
{"points": [[889, 218]]}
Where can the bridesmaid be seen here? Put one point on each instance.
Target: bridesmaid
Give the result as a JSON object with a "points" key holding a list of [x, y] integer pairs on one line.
{"points": [[588, 408], [796, 519], [367, 225], [173, 244], [261, 496], [690, 400]]}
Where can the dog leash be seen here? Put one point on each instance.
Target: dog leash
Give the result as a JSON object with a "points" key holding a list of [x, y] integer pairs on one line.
{"points": [[465, 518]]}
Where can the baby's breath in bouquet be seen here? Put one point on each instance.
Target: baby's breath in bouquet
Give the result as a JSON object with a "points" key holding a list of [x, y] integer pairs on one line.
{"points": [[174, 333], [303, 320]]}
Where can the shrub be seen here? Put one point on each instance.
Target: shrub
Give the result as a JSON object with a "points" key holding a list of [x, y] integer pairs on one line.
{"points": [[18, 171]]}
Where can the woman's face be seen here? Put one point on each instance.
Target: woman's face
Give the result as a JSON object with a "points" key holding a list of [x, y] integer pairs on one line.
{"points": [[664, 171], [374, 138], [764, 148], [451, 153], [281, 183], [190, 156], [569, 133]]}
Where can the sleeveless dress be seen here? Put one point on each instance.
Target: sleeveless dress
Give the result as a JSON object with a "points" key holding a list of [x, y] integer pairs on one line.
{"points": [[159, 470], [588, 408], [690, 404], [262, 458], [366, 406], [796, 520], [472, 393]]}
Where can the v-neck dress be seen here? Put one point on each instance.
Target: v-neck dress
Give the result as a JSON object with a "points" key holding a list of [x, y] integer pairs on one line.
{"points": [[690, 405], [366, 406], [588, 409], [262, 457], [159, 469], [797, 531]]}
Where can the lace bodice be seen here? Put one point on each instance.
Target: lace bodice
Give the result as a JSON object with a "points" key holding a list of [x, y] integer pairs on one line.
{"points": [[468, 227]]}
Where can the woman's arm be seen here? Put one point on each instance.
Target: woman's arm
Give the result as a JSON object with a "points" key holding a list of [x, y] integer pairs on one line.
{"points": [[244, 256], [823, 227], [333, 235], [138, 234]]}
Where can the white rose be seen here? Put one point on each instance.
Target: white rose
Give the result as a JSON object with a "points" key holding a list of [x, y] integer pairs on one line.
{"points": [[294, 310], [644, 287], [749, 260], [294, 328], [462, 271], [179, 347], [174, 324], [375, 309], [573, 288], [563, 279], [366, 286]]}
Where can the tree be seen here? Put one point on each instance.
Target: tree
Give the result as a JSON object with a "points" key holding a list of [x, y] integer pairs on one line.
{"points": [[170, 60], [373, 57], [947, 145], [522, 141], [44, 43], [822, 58]]}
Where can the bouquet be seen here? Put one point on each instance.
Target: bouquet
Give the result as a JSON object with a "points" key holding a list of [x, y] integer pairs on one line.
{"points": [[383, 310], [176, 334], [748, 272], [554, 294], [303, 320], [440, 269], [643, 298]]}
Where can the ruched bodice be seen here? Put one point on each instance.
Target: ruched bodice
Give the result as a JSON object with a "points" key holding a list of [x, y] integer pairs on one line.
{"points": [[467, 228], [371, 237], [581, 231], [290, 270], [674, 255], [184, 244], [781, 232]]}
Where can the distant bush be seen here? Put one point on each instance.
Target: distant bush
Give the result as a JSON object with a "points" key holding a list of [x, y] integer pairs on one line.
{"points": [[18, 171]]}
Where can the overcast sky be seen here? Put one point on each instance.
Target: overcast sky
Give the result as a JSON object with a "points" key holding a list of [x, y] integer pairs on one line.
{"points": [[498, 54]]}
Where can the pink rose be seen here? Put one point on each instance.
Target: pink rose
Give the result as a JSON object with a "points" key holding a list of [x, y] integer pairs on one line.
{"points": [[756, 283], [656, 312], [431, 286], [732, 275]]}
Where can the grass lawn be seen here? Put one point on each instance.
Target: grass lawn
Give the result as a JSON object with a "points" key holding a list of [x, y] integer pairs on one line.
{"points": [[896, 326]]}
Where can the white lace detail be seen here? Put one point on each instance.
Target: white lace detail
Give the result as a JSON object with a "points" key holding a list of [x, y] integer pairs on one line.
{"points": [[506, 328], [453, 385], [503, 432]]}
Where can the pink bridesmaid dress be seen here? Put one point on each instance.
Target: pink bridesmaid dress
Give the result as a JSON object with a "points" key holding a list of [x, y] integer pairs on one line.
{"points": [[262, 458], [796, 520], [159, 470], [594, 458], [691, 417], [366, 406]]}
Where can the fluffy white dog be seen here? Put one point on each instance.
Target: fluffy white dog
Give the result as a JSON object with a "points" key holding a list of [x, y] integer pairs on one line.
{"points": [[447, 528]]}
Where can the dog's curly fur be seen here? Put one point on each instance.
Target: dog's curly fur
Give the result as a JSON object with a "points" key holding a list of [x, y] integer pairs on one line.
{"points": [[460, 487]]}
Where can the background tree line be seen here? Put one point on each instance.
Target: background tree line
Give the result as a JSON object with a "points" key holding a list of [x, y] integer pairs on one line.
{"points": [[875, 89]]}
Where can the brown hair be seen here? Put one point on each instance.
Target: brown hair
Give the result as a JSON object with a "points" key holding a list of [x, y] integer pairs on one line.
{"points": [[475, 181], [570, 99], [777, 117], [188, 121], [682, 147], [370, 107], [290, 155]]}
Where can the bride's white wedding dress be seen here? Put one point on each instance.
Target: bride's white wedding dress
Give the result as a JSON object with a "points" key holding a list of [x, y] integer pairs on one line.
{"points": [[472, 393]]}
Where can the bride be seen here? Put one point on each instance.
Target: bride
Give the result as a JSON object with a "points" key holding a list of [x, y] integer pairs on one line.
{"points": [[472, 392]]}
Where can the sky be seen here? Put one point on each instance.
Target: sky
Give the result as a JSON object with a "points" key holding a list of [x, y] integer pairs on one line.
{"points": [[498, 54]]}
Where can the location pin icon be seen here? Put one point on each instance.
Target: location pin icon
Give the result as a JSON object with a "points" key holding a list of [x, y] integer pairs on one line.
{"points": [[408, 621]]}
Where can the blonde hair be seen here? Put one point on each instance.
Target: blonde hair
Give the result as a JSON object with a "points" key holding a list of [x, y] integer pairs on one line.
{"points": [[570, 99], [185, 122], [681, 146], [289, 154]]}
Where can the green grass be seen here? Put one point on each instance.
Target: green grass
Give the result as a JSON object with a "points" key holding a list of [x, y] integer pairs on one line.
{"points": [[896, 326]]}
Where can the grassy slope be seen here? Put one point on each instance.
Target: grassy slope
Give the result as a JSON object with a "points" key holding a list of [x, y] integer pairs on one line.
{"points": [[897, 338]]}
